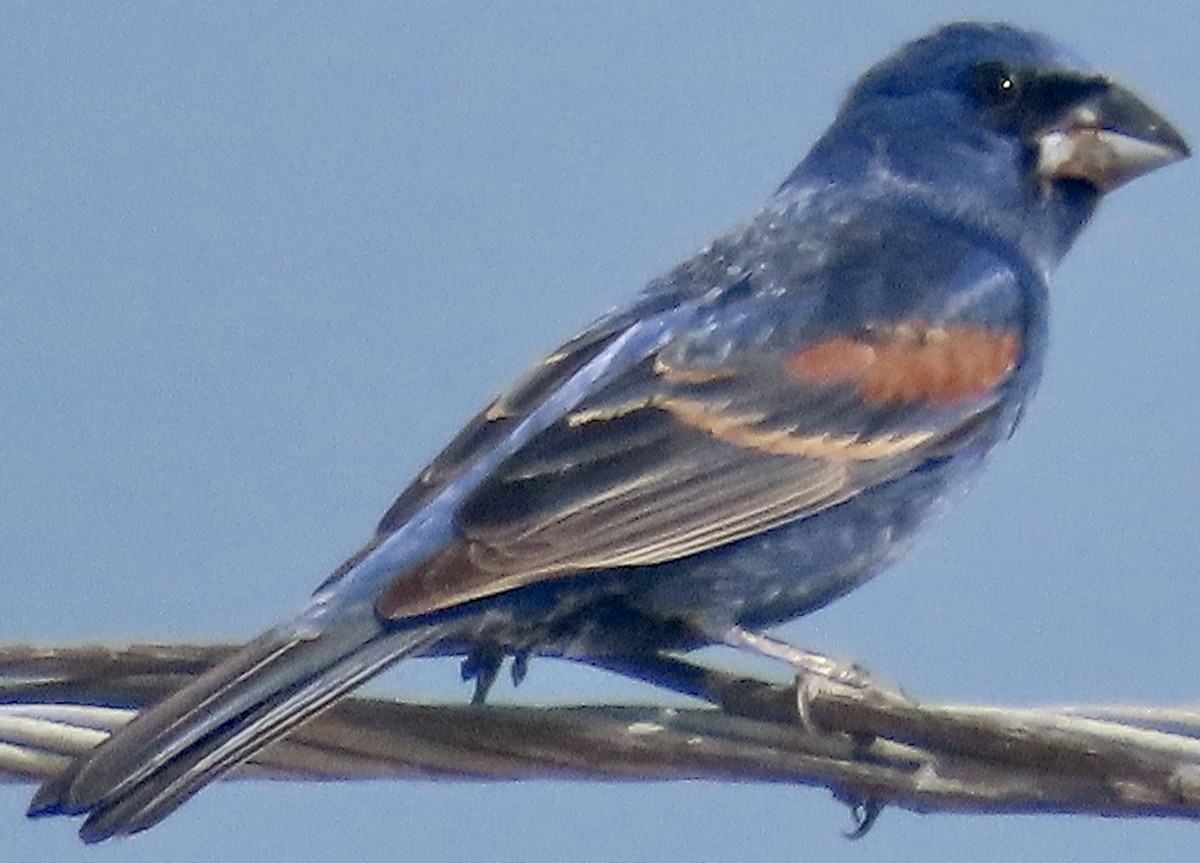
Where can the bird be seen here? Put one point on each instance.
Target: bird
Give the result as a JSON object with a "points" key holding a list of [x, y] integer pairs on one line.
{"points": [[756, 433]]}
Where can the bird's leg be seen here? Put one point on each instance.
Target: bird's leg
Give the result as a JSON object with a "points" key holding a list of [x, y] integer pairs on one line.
{"points": [[805, 662], [813, 671]]}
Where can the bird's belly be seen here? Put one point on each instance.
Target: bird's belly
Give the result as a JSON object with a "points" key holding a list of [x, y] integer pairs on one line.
{"points": [[796, 568]]}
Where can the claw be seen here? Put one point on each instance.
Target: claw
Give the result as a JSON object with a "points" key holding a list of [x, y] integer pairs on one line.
{"points": [[864, 813]]}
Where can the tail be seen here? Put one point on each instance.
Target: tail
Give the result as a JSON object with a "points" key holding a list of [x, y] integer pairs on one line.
{"points": [[169, 752]]}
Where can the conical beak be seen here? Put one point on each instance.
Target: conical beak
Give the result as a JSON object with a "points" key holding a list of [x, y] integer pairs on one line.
{"points": [[1108, 139]]}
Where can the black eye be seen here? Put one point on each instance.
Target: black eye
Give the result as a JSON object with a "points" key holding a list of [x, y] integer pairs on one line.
{"points": [[995, 85]]}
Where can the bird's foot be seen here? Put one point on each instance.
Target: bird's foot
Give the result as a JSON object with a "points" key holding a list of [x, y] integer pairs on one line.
{"points": [[815, 672], [483, 666]]}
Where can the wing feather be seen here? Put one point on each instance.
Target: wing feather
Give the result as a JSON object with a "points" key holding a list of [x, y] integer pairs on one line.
{"points": [[673, 463]]}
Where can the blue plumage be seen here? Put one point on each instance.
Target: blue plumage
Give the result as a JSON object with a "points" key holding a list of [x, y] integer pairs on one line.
{"points": [[759, 431]]}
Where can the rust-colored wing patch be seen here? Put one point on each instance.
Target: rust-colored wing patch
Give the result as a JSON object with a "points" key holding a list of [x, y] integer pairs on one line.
{"points": [[914, 361]]}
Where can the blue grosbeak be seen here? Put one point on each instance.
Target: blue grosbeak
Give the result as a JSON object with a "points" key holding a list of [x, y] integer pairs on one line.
{"points": [[759, 431]]}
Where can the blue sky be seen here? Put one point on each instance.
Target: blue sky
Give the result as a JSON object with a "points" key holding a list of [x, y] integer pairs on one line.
{"points": [[259, 263]]}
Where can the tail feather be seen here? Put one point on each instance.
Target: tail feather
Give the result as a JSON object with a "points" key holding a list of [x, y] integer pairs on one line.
{"points": [[171, 751]]}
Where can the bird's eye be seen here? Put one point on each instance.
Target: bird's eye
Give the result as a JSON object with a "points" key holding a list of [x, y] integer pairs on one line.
{"points": [[995, 84]]}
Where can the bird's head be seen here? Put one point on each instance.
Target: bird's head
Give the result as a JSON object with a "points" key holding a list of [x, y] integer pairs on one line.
{"points": [[997, 120]]}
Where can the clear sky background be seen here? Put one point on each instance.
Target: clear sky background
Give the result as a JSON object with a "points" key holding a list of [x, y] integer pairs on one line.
{"points": [[257, 264]]}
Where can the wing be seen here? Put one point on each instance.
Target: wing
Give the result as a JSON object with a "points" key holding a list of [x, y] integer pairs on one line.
{"points": [[699, 445]]}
